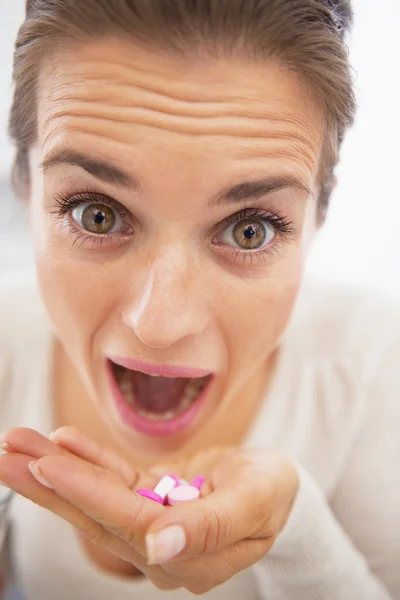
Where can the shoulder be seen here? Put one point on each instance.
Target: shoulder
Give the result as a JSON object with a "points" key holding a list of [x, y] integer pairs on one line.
{"points": [[341, 374], [343, 348], [345, 324], [24, 335], [22, 316]]}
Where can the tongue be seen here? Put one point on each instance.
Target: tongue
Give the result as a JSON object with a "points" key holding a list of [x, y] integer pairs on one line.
{"points": [[158, 394]]}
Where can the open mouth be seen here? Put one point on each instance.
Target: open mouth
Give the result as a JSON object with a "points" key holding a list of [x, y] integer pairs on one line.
{"points": [[153, 404]]}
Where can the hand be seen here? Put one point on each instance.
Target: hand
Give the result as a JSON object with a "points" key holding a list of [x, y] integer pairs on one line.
{"points": [[202, 543]]}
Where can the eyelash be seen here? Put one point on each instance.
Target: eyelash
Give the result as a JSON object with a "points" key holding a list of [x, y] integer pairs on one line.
{"points": [[282, 226], [66, 204]]}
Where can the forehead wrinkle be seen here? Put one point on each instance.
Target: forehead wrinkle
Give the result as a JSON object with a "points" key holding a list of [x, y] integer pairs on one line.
{"points": [[133, 95], [188, 80], [234, 125], [91, 88], [281, 146], [76, 106], [94, 117], [78, 100], [275, 153]]}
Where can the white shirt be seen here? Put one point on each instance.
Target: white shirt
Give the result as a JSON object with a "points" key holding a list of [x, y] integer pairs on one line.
{"points": [[334, 408]]}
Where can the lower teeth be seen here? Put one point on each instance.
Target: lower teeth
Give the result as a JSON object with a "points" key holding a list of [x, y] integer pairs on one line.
{"points": [[191, 393], [156, 416]]}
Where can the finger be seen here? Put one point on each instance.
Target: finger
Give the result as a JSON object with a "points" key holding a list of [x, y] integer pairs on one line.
{"points": [[252, 498], [14, 472], [29, 441], [81, 445], [202, 574], [73, 443], [102, 496]]}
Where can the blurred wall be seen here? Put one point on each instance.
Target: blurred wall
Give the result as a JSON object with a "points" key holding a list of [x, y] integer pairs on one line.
{"points": [[15, 251], [361, 239]]}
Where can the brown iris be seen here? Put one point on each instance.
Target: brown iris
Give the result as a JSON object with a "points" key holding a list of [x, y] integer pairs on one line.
{"points": [[249, 234], [98, 218]]}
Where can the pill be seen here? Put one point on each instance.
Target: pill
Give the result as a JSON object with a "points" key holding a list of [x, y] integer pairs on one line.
{"points": [[182, 493], [175, 478], [198, 481], [162, 489]]}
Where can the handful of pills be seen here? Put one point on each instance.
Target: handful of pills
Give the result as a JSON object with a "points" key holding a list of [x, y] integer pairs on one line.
{"points": [[171, 490]]}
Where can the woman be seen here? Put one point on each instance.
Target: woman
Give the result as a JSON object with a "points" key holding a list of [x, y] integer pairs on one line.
{"points": [[177, 159]]}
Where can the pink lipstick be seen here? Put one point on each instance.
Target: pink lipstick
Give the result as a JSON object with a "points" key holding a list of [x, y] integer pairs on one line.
{"points": [[157, 413]]}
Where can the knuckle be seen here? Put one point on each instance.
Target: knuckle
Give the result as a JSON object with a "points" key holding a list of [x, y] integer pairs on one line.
{"points": [[260, 517], [129, 531], [197, 590], [100, 476], [133, 477], [200, 587], [97, 535], [102, 454], [214, 529], [117, 464], [164, 584], [241, 556], [129, 475], [229, 564]]}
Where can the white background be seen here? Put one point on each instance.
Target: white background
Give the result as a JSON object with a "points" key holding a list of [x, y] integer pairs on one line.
{"points": [[361, 239]]}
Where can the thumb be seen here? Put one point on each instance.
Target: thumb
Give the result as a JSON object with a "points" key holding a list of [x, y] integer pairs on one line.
{"points": [[205, 526]]}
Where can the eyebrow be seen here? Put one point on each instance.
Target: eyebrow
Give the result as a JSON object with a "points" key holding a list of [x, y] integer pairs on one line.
{"points": [[109, 173], [252, 190], [103, 170]]}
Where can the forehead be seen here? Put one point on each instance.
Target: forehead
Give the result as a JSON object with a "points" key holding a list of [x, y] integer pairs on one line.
{"points": [[130, 98]]}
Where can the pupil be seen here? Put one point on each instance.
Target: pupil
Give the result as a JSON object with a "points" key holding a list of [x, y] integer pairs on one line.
{"points": [[99, 217], [249, 232]]}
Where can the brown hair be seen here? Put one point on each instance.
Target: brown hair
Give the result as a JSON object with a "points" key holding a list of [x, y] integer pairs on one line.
{"points": [[307, 36]]}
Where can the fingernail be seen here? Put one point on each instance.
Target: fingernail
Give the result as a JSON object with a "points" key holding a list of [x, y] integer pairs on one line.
{"points": [[5, 447], [38, 475], [165, 544]]}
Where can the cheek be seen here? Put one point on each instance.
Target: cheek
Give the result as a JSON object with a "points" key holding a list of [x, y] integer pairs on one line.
{"points": [[76, 298], [257, 312], [74, 291], [258, 322]]}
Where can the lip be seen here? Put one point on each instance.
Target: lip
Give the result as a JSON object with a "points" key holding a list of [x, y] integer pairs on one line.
{"points": [[147, 426], [162, 370]]}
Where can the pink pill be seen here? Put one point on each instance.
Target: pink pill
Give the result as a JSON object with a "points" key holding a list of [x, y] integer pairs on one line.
{"points": [[198, 481], [182, 493], [160, 492], [175, 478], [151, 495]]}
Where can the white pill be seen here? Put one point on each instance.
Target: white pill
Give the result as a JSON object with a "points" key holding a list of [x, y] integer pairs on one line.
{"points": [[164, 486]]}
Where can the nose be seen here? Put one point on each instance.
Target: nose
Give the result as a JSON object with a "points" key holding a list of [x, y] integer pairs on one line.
{"points": [[171, 303]]}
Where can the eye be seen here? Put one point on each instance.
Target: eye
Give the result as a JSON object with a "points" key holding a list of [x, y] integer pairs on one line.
{"points": [[249, 234], [97, 218]]}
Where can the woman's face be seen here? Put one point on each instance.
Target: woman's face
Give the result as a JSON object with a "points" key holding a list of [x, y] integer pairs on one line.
{"points": [[173, 207]]}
